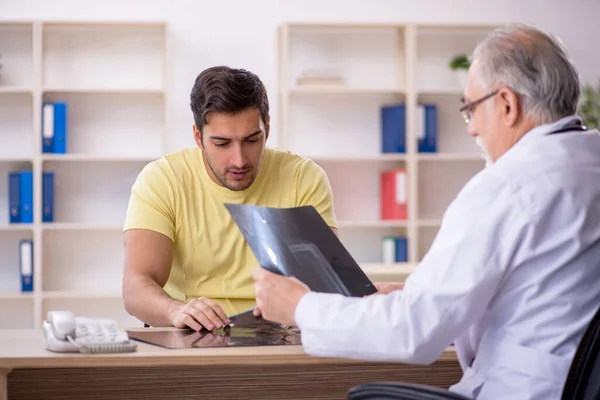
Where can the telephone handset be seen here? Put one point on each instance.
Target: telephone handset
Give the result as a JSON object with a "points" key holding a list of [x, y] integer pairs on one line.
{"points": [[63, 332]]}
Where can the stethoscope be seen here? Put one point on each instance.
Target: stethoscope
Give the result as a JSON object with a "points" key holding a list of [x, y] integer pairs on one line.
{"points": [[569, 128]]}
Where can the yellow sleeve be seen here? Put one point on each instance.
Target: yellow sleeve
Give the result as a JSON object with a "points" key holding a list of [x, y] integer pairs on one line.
{"points": [[314, 190], [152, 201]]}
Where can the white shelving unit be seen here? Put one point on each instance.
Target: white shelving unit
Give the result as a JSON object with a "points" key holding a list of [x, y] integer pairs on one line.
{"points": [[339, 126], [113, 77]]}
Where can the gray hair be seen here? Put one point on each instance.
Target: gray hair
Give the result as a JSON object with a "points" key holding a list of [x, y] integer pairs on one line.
{"points": [[533, 64]]}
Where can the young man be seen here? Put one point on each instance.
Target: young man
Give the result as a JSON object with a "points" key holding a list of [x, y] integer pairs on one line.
{"points": [[186, 262]]}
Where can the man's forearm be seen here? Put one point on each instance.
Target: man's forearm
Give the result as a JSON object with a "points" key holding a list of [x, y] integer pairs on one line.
{"points": [[147, 301]]}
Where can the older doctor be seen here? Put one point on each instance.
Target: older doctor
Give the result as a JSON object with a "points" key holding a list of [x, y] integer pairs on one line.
{"points": [[513, 276]]}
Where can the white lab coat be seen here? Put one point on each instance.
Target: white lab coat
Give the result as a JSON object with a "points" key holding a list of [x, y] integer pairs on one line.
{"points": [[512, 278]]}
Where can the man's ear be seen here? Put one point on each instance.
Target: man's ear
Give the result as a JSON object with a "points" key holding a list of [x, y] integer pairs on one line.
{"points": [[198, 137], [510, 106]]}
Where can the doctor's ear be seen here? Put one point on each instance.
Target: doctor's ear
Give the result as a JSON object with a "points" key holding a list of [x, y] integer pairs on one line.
{"points": [[510, 105]]}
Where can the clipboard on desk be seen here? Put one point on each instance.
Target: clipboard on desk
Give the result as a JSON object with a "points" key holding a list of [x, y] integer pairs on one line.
{"points": [[298, 242]]}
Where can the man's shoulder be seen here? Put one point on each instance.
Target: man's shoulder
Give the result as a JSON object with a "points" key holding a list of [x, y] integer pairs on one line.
{"points": [[169, 168], [288, 162], [283, 156], [181, 158]]}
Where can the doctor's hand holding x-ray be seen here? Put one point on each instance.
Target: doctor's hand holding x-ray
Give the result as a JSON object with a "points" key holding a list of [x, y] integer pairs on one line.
{"points": [[513, 275]]}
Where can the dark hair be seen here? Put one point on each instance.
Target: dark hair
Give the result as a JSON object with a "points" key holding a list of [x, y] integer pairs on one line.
{"points": [[227, 90]]}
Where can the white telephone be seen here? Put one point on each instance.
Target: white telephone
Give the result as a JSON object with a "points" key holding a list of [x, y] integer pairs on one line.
{"points": [[63, 332]]}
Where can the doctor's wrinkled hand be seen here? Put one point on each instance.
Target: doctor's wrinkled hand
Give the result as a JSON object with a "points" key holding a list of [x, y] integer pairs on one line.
{"points": [[277, 296]]}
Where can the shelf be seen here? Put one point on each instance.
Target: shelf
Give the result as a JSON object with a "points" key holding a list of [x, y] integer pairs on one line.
{"points": [[16, 227], [105, 90], [327, 122], [10, 274], [336, 25], [15, 159], [98, 157], [73, 294], [16, 296], [92, 193], [138, 24], [435, 48], [451, 177], [15, 90], [338, 125], [16, 125], [453, 140], [90, 262], [113, 77], [344, 90], [456, 92], [396, 157], [456, 29], [66, 226], [5, 169], [449, 157], [429, 223], [358, 158], [356, 189], [365, 58], [372, 224], [109, 123], [118, 55], [16, 42]]}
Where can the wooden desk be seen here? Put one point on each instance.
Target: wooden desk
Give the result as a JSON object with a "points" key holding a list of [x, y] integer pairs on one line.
{"points": [[28, 371]]}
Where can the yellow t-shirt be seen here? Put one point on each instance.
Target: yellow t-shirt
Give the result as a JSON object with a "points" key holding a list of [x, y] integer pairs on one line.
{"points": [[176, 197]]}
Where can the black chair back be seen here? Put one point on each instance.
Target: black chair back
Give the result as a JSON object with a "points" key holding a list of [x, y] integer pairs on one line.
{"points": [[583, 380]]}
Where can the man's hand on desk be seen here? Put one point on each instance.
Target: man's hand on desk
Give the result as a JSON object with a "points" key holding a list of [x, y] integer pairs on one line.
{"points": [[277, 296], [387, 287], [198, 313]]}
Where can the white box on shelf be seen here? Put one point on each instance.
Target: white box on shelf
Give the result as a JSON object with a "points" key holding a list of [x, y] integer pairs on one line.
{"points": [[366, 57]]}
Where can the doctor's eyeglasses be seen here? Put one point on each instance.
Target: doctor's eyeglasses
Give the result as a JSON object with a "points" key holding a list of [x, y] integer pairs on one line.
{"points": [[467, 110]]}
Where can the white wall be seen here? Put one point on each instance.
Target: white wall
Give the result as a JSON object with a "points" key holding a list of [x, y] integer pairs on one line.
{"points": [[243, 33]]}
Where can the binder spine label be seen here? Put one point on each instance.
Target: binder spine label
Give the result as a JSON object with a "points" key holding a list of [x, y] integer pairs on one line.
{"points": [[400, 187], [26, 265], [48, 128]]}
